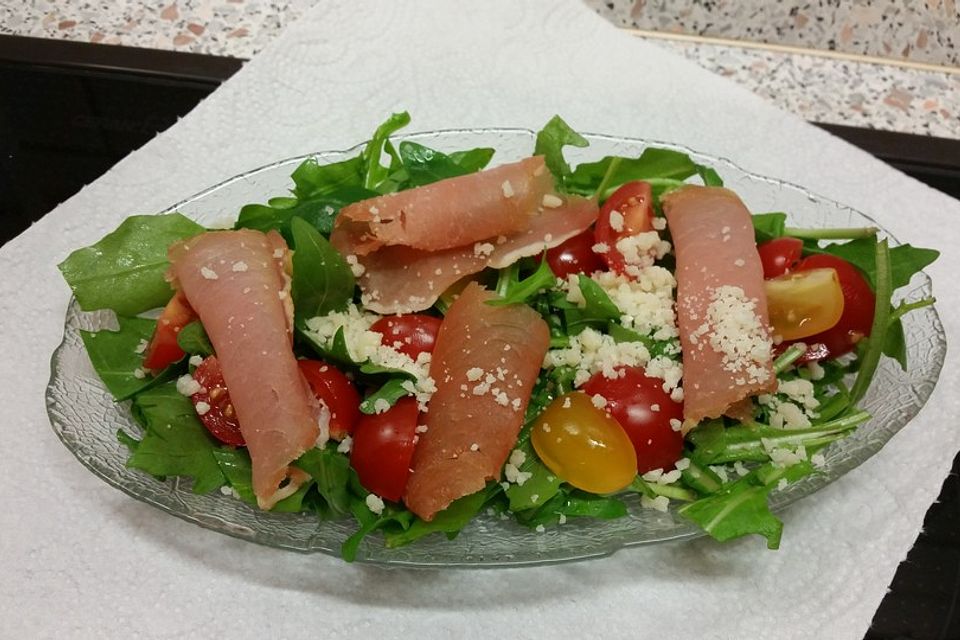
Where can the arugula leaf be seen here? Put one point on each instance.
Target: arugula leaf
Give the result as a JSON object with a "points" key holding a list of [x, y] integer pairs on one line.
{"points": [[740, 508], [374, 172], [320, 211], [653, 163], [312, 179], [116, 360], [238, 470], [715, 444], [125, 270], [736, 510], [905, 260], [193, 340], [619, 333], [540, 487], [175, 442], [391, 391], [598, 310], [512, 290], [322, 280], [551, 140], [449, 521], [424, 165], [769, 226], [331, 472], [573, 504], [395, 518], [472, 160], [709, 176]]}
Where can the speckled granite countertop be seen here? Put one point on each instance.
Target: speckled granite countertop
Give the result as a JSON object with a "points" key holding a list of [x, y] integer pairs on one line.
{"points": [[822, 89]]}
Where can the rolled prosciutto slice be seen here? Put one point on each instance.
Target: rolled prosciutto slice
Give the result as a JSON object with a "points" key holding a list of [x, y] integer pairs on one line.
{"points": [[485, 363], [721, 302], [235, 281], [412, 245], [448, 213], [401, 279]]}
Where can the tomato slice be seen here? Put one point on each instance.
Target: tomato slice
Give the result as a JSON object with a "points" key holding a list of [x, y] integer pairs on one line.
{"points": [[336, 391], [411, 334], [645, 411], [856, 320], [575, 255], [212, 403], [163, 349], [779, 256], [804, 303], [627, 212], [583, 445], [383, 446]]}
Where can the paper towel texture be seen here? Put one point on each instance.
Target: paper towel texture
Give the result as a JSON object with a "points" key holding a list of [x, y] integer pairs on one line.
{"points": [[83, 560]]}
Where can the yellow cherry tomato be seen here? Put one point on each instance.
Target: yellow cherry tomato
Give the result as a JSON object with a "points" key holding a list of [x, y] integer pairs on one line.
{"points": [[804, 303], [583, 445]]}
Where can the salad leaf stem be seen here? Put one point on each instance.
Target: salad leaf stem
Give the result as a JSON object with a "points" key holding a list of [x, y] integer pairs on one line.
{"points": [[788, 357], [375, 173], [906, 307], [671, 491], [849, 233], [881, 321], [608, 177]]}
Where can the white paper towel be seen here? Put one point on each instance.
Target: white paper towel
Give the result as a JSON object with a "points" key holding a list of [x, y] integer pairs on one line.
{"points": [[80, 559]]}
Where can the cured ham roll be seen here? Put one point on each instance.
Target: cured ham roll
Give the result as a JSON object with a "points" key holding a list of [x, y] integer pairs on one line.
{"points": [[410, 246], [485, 364], [721, 302], [235, 281]]}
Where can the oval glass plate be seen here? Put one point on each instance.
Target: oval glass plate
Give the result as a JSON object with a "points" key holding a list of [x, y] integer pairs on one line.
{"points": [[86, 419]]}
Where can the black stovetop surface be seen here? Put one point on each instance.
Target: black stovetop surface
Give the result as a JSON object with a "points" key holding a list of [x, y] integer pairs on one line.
{"points": [[69, 112]]}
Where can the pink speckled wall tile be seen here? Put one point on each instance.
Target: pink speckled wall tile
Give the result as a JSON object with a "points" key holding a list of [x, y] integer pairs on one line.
{"points": [[927, 31], [818, 89], [237, 28]]}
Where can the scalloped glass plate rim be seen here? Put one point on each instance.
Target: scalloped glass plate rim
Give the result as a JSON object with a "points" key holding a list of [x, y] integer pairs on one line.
{"points": [[131, 481]]}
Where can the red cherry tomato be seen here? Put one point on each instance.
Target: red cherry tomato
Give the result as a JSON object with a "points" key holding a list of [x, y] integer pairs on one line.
{"points": [[858, 307], [383, 446], [575, 255], [411, 334], [779, 256], [644, 410], [336, 391], [633, 205], [216, 413], [163, 349]]}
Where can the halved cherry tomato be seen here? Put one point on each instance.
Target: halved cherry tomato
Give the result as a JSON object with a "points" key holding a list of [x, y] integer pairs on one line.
{"points": [[644, 410], [627, 212], [336, 391], [583, 445], [216, 411], [163, 349], [411, 334], [575, 255], [779, 256], [804, 303], [382, 447], [858, 307]]}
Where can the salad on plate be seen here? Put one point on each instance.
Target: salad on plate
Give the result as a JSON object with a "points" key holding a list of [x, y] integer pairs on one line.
{"points": [[411, 338]]}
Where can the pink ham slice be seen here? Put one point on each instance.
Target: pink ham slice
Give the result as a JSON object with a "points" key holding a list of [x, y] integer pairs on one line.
{"points": [[474, 419], [405, 279], [235, 281], [721, 302], [449, 213]]}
